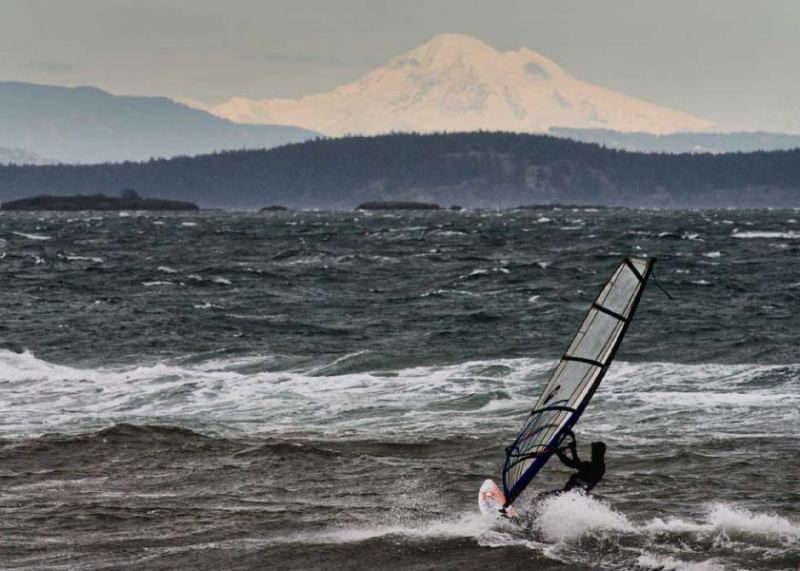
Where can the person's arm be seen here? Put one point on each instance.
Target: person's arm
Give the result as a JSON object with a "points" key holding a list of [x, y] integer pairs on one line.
{"points": [[573, 462], [573, 447]]}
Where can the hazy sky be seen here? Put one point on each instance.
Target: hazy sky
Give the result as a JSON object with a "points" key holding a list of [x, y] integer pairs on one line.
{"points": [[735, 62]]}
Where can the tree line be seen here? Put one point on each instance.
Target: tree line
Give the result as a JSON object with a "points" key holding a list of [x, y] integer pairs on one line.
{"points": [[476, 169]]}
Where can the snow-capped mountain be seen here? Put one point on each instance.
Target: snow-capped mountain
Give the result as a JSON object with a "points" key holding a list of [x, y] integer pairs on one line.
{"points": [[458, 83]]}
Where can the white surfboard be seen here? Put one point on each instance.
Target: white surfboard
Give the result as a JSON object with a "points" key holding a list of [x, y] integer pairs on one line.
{"points": [[491, 500]]}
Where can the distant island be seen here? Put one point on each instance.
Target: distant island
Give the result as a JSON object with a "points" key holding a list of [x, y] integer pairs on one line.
{"points": [[128, 200], [474, 170], [397, 205], [274, 208]]}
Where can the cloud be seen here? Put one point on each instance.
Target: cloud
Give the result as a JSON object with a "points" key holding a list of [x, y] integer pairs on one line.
{"points": [[294, 59], [51, 66]]}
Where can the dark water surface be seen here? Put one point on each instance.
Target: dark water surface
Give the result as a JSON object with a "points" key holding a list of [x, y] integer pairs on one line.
{"points": [[329, 390]]}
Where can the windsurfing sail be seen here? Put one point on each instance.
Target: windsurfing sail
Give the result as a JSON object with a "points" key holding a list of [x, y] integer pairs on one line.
{"points": [[577, 375]]}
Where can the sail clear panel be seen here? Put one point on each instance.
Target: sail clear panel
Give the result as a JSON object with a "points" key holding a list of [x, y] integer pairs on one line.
{"points": [[577, 375]]}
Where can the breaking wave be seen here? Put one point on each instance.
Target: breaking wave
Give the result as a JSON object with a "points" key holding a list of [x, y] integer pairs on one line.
{"points": [[254, 394]]}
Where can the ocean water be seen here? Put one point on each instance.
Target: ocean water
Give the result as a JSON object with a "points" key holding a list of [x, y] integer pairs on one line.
{"points": [[319, 390]]}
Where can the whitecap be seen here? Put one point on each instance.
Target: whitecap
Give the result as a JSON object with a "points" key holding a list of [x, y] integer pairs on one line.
{"points": [[667, 563], [728, 520], [468, 524], [32, 236], [449, 233], [790, 235], [478, 272], [74, 258], [408, 401]]}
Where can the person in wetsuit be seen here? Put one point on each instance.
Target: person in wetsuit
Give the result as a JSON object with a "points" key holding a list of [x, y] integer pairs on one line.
{"points": [[588, 473]]}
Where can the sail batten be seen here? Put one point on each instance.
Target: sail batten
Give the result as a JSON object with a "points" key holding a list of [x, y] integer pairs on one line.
{"points": [[577, 375]]}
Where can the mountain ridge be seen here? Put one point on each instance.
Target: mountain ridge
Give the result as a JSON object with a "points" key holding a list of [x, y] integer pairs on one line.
{"points": [[711, 142], [17, 156], [456, 83], [87, 124]]}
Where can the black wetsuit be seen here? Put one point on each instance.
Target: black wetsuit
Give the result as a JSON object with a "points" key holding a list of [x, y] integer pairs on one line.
{"points": [[588, 473]]}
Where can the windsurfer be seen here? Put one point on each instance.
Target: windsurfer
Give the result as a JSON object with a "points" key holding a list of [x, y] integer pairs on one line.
{"points": [[588, 473]]}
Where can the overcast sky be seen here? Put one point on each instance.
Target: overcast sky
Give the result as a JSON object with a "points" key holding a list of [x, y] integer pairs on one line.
{"points": [[735, 62]]}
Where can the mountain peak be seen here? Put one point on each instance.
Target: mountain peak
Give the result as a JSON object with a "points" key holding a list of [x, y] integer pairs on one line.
{"points": [[456, 44], [455, 82], [444, 50]]}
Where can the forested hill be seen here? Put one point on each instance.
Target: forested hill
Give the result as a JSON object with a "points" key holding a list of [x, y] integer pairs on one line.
{"points": [[470, 169]]}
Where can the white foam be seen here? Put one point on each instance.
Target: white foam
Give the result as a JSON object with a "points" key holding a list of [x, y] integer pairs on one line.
{"points": [[750, 235], [462, 525], [472, 397], [565, 520], [478, 272], [726, 523], [722, 517], [566, 517], [75, 258], [667, 563], [449, 233]]}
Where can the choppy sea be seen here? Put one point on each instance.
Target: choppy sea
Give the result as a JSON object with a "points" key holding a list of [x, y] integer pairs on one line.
{"points": [[312, 390]]}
